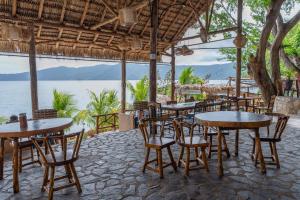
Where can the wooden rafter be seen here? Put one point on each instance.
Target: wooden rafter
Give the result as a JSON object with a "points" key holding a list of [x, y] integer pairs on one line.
{"points": [[77, 39], [14, 8], [41, 8], [112, 37], [86, 7], [59, 36], [145, 27], [104, 23], [132, 26], [94, 41], [109, 8], [169, 28], [187, 20], [63, 10], [39, 31]]}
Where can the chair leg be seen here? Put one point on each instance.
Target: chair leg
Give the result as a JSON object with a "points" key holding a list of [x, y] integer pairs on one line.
{"points": [[51, 185], [68, 173], [272, 151], [172, 159], [225, 146], [253, 150], [160, 163], [180, 156], [20, 160], [45, 180], [187, 162], [204, 159], [196, 155], [276, 155], [210, 146], [31, 153], [74, 173], [146, 159]]}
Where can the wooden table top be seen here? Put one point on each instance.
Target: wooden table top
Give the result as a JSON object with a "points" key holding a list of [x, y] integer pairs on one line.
{"points": [[35, 127], [233, 119]]}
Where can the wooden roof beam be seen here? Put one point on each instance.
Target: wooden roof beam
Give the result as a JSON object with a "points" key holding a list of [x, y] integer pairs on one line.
{"points": [[169, 27], [74, 27], [132, 26], [63, 10], [104, 23], [59, 36], [109, 8], [14, 8], [39, 31], [187, 20], [41, 8], [94, 41], [145, 27], [86, 7]]}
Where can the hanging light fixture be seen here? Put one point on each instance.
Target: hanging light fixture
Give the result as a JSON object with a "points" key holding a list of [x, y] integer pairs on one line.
{"points": [[127, 16], [184, 51], [240, 41]]}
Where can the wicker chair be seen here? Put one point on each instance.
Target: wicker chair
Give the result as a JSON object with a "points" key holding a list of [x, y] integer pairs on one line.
{"points": [[272, 139], [65, 157]]}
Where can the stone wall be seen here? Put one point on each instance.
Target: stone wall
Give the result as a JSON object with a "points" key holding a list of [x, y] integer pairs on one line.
{"points": [[287, 105]]}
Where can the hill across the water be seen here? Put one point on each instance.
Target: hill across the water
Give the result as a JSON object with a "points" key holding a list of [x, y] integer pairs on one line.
{"points": [[113, 72]]}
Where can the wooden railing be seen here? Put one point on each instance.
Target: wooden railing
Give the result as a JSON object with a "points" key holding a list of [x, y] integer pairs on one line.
{"points": [[107, 122]]}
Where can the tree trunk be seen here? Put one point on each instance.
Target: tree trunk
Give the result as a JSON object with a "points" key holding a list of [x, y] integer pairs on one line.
{"points": [[262, 78], [282, 30], [258, 63]]}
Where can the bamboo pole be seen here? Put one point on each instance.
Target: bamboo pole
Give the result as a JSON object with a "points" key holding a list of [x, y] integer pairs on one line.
{"points": [[153, 49], [123, 82], [173, 73], [33, 73], [239, 50]]}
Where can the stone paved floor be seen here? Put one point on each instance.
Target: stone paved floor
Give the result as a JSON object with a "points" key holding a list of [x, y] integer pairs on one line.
{"points": [[110, 168]]}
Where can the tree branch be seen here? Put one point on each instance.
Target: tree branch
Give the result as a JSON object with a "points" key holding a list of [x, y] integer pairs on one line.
{"points": [[287, 61]]}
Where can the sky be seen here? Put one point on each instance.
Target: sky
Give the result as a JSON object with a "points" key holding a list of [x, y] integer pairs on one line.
{"points": [[10, 64]]}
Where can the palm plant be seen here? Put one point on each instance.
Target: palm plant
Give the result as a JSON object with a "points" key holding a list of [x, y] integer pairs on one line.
{"points": [[105, 102], [187, 77], [64, 104], [141, 89]]}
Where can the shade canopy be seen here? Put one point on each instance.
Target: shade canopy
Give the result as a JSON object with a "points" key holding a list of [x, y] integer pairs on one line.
{"points": [[95, 28]]}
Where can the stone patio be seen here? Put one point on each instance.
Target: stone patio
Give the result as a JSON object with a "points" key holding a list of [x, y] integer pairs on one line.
{"points": [[110, 168]]}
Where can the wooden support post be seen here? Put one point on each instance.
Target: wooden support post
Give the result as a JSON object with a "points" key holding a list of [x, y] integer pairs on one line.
{"points": [[123, 82], [239, 50], [153, 49], [173, 73], [33, 73]]}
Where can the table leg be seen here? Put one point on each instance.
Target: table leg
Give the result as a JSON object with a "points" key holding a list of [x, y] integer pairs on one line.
{"points": [[259, 151], [220, 162], [237, 134], [1, 157], [16, 165]]}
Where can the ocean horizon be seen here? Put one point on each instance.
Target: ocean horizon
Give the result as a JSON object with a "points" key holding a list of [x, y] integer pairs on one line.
{"points": [[15, 95]]}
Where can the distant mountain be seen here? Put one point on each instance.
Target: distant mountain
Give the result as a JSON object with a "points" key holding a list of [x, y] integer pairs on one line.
{"points": [[113, 72]]}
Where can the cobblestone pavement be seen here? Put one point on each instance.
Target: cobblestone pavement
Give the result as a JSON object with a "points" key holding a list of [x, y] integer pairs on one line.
{"points": [[110, 168]]}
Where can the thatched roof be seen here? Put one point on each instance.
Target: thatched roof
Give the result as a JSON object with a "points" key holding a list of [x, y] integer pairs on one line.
{"points": [[91, 28]]}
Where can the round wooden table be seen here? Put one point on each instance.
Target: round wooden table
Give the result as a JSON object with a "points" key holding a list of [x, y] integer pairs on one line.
{"points": [[234, 120], [35, 127]]}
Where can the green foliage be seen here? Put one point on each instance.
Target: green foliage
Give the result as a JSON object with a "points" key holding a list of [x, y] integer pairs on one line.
{"points": [[291, 42], [287, 72], [200, 97], [64, 104], [105, 102], [2, 120], [251, 27], [187, 77], [164, 85], [141, 90]]}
